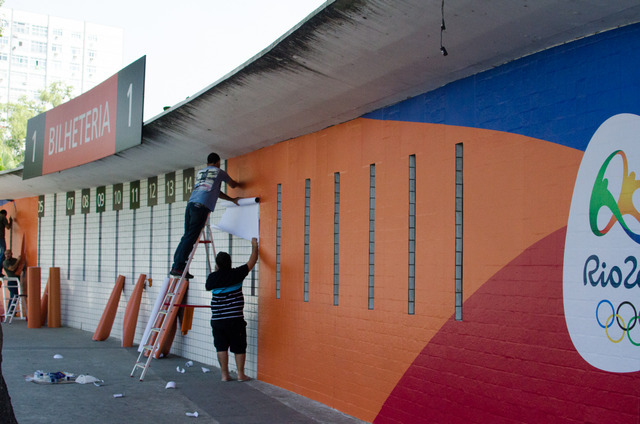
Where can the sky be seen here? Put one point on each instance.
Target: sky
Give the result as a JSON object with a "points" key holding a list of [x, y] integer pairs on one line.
{"points": [[189, 44]]}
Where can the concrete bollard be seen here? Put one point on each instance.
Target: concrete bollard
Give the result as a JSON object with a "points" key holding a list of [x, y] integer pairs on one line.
{"points": [[33, 297], [53, 315]]}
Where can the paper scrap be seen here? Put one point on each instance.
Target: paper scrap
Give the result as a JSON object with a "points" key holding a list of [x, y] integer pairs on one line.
{"points": [[189, 364], [57, 356], [170, 385], [118, 395], [192, 414], [86, 379], [180, 370], [205, 370]]}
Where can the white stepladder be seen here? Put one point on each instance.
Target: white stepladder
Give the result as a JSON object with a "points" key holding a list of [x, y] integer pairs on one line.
{"points": [[162, 319], [15, 302]]}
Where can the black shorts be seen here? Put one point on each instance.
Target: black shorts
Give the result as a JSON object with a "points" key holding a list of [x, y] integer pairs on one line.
{"points": [[230, 334]]}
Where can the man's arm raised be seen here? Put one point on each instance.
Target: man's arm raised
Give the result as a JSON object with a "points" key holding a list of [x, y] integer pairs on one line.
{"points": [[254, 254]]}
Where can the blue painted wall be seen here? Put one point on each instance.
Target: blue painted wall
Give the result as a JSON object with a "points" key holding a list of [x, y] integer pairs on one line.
{"points": [[559, 95]]}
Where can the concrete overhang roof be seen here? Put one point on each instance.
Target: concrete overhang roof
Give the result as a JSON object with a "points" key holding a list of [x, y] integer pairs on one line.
{"points": [[347, 58]]}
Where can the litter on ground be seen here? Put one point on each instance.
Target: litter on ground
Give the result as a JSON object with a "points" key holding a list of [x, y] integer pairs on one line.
{"points": [[60, 377]]}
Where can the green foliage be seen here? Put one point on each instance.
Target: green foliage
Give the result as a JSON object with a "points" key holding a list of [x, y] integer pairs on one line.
{"points": [[16, 115]]}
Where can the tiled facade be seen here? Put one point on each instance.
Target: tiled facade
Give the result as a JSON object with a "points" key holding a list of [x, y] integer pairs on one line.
{"points": [[93, 249]]}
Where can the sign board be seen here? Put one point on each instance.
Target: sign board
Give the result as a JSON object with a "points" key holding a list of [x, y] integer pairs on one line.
{"points": [[187, 183], [101, 199], [85, 199], [41, 206], [152, 191], [71, 203], [118, 196], [170, 187], [104, 120], [134, 194]]}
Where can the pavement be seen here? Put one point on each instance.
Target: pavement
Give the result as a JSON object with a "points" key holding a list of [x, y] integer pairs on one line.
{"points": [[123, 399]]}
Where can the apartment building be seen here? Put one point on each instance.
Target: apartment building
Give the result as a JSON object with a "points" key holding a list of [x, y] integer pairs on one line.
{"points": [[37, 50]]}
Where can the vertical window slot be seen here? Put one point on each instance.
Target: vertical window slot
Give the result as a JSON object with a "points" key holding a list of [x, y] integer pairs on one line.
{"points": [[336, 239], [372, 222], [412, 236], [307, 219], [459, 230], [278, 238]]}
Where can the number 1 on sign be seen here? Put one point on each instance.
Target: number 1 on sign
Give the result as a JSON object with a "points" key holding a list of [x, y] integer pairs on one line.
{"points": [[33, 156], [130, 95]]}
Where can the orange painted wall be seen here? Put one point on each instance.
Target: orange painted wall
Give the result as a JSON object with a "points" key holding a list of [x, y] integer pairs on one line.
{"points": [[516, 191], [25, 227]]}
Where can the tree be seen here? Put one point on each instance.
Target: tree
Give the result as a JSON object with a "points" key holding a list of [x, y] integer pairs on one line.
{"points": [[15, 117]]}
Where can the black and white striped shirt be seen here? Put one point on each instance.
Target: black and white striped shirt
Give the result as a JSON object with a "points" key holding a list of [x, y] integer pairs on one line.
{"points": [[227, 300]]}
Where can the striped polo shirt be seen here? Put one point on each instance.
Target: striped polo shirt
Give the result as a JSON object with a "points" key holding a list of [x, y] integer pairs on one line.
{"points": [[227, 300]]}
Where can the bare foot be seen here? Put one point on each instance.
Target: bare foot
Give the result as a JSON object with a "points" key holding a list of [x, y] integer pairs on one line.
{"points": [[244, 378], [226, 378]]}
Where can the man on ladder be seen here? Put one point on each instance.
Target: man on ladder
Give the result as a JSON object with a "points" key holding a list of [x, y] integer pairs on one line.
{"points": [[203, 200]]}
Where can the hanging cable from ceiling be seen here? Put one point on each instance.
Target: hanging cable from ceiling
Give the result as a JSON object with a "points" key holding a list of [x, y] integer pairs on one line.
{"points": [[442, 28]]}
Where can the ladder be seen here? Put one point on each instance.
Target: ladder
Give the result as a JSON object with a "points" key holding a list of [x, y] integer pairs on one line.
{"points": [[161, 321], [15, 301], [11, 311]]}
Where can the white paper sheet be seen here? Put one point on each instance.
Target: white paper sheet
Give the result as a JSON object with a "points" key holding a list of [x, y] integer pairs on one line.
{"points": [[241, 220]]}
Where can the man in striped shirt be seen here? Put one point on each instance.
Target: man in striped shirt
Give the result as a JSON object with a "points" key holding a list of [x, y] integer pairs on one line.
{"points": [[227, 303]]}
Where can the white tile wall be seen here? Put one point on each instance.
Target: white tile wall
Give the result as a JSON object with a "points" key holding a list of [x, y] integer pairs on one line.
{"points": [[146, 240]]}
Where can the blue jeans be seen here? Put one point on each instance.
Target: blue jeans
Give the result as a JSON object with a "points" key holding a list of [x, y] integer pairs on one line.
{"points": [[195, 217], [13, 291]]}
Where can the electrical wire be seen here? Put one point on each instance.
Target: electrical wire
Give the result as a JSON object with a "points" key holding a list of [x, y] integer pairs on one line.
{"points": [[443, 50]]}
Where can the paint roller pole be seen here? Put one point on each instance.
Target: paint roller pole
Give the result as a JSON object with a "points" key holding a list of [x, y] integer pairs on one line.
{"points": [[53, 311], [33, 297]]}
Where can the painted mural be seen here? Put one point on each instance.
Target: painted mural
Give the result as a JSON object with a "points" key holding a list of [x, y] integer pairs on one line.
{"points": [[552, 336], [550, 234]]}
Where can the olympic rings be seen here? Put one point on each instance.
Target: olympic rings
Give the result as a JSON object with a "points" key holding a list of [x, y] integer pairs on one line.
{"points": [[607, 326], [634, 319], [615, 313], [635, 313], [598, 307]]}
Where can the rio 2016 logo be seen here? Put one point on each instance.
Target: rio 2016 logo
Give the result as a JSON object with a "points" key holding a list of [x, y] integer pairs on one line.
{"points": [[601, 275], [602, 197]]}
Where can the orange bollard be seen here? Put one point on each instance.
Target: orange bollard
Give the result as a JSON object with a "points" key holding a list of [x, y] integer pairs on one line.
{"points": [[187, 320], [53, 315], [33, 297], [44, 305], [169, 332], [131, 313], [109, 314]]}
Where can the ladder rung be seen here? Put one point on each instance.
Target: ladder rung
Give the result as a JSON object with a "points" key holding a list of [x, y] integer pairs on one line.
{"points": [[156, 329], [205, 241], [147, 347]]}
